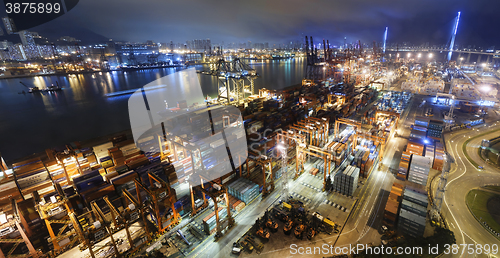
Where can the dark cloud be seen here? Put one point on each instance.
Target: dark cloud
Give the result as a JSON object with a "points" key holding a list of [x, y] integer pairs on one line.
{"points": [[285, 20]]}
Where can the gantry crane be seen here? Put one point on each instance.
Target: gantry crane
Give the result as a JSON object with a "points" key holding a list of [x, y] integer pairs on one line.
{"points": [[267, 174], [235, 78], [51, 213], [162, 200], [192, 190], [99, 217], [218, 193], [89, 226], [355, 124], [89, 235], [122, 220], [16, 221], [309, 131], [316, 131], [313, 68], [372, 138], [132, 204], [322, 154]]}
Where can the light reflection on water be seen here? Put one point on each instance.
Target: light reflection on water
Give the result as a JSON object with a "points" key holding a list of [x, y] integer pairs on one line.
{"points": [[33, 122]]}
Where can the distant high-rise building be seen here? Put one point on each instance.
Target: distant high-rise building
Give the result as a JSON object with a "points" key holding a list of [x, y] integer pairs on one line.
{"points": [[10, 27], [111, 47], [4, 45], [26, 38], [63, 38], [21, 53]]}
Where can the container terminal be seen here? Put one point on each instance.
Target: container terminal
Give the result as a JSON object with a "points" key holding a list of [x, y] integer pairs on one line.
{"points": [[362, 132]]}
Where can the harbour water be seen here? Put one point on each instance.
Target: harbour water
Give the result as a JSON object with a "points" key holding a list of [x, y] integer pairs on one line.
{"points": [[31, 123]]}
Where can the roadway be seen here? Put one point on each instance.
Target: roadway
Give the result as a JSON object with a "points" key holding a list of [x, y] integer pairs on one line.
{"points": [[464, 176]]}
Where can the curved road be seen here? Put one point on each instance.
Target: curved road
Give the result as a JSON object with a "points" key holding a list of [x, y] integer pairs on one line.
{"points": [[464, 176]]}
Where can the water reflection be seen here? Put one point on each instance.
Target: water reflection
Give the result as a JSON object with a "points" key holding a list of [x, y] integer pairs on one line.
{"points": [[33, 122]]}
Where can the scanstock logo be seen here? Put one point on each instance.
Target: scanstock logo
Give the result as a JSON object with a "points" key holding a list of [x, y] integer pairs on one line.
{"points": [[212, 136]]}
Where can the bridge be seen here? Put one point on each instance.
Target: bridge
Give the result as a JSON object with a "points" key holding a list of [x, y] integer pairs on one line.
{"points": [[495, 54], [450, 49]]}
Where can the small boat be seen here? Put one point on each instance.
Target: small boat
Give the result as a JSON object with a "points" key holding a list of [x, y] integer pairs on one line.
{"points": [[53, 88], [34, 90]]}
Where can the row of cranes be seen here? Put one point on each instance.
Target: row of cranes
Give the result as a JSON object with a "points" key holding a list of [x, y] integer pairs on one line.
{"points": [[153, 207], [335, 62]]}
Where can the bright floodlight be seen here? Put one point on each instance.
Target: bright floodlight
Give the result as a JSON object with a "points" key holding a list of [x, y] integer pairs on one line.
{"points": [[483, 64], [419, 55], [485, 88], [409, 54], [430, 55]]}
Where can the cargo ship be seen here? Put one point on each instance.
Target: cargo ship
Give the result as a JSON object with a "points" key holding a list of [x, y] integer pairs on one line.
{"points": [[149, 66]]}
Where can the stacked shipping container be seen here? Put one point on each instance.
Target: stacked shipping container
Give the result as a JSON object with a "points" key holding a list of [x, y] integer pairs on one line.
{"points": [[413, 213], [392, 206], [404, 165], [243, 189], [346, 182], [438, 157], [419, 169]]}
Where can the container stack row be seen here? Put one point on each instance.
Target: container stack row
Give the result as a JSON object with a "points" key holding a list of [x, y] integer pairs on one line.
{"points": [[462, 88], [426, 86], [392, 205], [183, 169], [438, 157], [394, 101], [404, 165], [235, 204], [346, 182], [320, 165], [102, 154], [435, 129], [419, 170], [429, 152], [31, 175], [413, 213], [243, 189], [210, 221], [150, 146]]}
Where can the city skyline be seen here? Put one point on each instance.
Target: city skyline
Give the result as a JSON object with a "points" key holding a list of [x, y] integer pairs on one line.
{"points": [[416, 22]]}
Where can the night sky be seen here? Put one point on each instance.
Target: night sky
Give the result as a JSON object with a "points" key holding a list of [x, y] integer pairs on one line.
{"points": [[281, 21]]}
